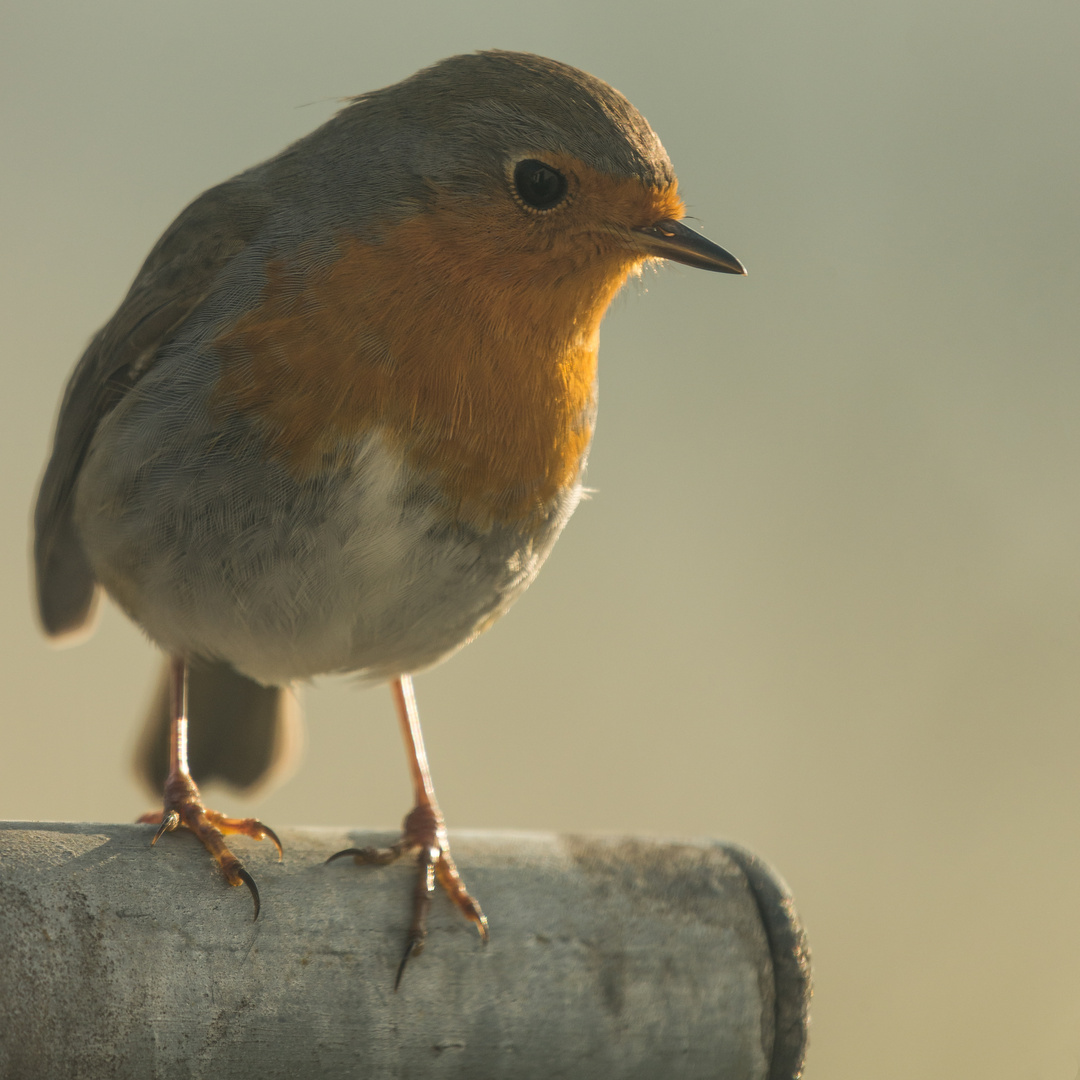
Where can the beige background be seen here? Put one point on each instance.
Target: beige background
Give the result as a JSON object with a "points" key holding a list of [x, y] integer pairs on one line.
{"points": [[826, 601]]}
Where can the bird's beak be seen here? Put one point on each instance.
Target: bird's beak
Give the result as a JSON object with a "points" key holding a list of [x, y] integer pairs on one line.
{"points": [[673, 240]]}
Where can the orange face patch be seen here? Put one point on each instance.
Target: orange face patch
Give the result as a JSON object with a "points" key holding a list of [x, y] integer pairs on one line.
{"points": [[468, 338]]}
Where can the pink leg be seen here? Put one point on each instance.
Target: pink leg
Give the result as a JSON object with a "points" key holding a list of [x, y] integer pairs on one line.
{"points": [[423, 837], [183, 805]]}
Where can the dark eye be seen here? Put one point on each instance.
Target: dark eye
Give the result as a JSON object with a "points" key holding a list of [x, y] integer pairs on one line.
{"points": [[539, 185]]}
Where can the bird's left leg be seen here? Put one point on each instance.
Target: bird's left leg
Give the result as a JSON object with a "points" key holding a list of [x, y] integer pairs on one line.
{"points": [[423, 837], [183, 804]]}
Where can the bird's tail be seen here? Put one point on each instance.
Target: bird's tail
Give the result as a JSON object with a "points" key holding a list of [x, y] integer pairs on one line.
{"points": [[239, 732]]}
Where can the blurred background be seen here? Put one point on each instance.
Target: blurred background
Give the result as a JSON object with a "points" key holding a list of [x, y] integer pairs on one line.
{"points": [[826, 600]]}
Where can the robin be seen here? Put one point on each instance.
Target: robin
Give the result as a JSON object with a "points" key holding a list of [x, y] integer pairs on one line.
{"points": [[343, 413]]}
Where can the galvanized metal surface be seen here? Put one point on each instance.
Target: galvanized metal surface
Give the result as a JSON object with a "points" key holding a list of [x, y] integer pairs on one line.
{"points": [[609, 958]]}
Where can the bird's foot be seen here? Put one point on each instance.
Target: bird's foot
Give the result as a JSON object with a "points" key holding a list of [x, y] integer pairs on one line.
{"points": [[183, 807], [423, 838]]}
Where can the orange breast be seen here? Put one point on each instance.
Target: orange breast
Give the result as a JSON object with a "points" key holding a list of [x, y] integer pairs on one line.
{"points": [[474, 357]]}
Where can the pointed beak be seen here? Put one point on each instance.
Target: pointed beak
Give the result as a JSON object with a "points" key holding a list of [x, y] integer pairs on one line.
{"points": [[673, 240]]}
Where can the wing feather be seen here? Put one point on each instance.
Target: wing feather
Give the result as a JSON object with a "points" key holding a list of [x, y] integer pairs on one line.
{"points": [[175, 279]]}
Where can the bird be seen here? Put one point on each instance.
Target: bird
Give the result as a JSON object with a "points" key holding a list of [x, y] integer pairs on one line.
{"points": [[344, 412]]}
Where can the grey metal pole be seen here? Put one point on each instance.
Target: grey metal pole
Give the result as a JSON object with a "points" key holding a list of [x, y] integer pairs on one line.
{"points": [[609, 958]]}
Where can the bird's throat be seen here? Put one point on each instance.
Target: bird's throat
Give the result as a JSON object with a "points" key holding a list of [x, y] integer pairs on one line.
{"points": [[488, 387]]}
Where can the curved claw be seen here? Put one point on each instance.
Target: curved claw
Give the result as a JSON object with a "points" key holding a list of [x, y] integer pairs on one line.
{"points": [[356, 851], [169, 821], [249, 881], [371, 856], [410, 946], [267, 831]]}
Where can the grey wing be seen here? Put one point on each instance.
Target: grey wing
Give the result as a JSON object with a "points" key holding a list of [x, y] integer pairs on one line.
{"points": [[178, 274]]}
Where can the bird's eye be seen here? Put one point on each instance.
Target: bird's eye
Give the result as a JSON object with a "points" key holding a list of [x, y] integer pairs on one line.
{"points": [[539, 185]]}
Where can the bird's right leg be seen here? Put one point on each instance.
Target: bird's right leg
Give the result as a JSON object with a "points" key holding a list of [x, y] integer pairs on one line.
{"points": [[183, 804]]}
